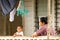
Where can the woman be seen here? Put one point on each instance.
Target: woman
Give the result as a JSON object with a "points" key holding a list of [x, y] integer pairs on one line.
{"points": [[43, 28]]}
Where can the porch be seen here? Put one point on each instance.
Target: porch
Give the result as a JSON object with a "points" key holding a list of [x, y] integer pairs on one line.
{"points": [[30, 21]]}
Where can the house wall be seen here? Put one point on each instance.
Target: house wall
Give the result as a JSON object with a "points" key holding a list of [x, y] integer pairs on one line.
{"points": [[2, 25], [42, 7], [28, 20]]}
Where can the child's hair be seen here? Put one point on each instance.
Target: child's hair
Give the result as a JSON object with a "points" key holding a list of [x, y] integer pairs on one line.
{"points": [[43, 19], [20, 26]]}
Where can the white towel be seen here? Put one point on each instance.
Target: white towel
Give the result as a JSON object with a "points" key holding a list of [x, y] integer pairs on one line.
{"points": [[12, 13]]}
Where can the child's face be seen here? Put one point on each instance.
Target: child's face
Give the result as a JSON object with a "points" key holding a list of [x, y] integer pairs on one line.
{"points": [[19, 29]]}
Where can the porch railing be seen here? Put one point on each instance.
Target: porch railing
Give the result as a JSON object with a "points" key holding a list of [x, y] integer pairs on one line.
{"points": [[28, 38]]}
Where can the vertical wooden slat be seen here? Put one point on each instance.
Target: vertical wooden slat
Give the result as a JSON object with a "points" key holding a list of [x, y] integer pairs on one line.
{"points": [[5, 25]]}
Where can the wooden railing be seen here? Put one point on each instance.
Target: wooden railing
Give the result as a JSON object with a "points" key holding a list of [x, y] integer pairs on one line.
{"points": [[28, 38]]}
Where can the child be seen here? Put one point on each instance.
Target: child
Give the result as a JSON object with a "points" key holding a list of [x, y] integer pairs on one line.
{"points": [[19, 31]]}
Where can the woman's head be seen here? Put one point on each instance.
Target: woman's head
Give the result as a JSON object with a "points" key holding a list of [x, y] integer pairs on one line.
{"points": [[43, 21]]}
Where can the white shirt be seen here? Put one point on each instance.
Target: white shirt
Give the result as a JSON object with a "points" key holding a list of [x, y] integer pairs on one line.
{"points": [[19, 33]]}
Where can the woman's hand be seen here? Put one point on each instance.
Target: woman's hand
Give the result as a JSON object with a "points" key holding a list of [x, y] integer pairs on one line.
{"points": [[34, 35]]}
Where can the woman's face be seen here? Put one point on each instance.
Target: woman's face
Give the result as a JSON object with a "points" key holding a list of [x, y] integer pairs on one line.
{"points": [[41, 24]]}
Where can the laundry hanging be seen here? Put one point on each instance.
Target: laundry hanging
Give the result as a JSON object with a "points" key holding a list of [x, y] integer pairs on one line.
{"points": [[12, 14], [7, 6], [21, 10]]}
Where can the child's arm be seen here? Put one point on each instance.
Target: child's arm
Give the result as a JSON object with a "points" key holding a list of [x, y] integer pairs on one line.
{"points": [[14, 34], [18, 35]]}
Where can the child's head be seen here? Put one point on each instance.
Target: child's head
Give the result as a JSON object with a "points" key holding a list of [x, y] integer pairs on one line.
{"points": [[19, 28]]}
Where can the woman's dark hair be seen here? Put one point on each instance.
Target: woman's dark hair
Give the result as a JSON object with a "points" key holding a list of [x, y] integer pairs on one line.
{"points": [[43, 19]]}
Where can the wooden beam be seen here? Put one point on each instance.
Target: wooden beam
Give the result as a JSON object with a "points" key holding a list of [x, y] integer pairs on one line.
{"points": [[49, 18]]}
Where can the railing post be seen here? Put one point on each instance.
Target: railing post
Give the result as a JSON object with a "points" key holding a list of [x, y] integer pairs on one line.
{"points": [[49, 19]]}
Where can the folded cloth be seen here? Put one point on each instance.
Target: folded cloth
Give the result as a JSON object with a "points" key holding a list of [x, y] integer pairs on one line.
{"points": [[7, 6]]}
